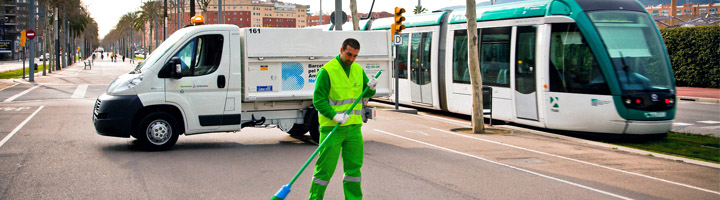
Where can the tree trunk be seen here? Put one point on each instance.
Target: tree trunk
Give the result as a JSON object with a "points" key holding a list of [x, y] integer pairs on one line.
{"points": [[478, 125], [355, 17]]}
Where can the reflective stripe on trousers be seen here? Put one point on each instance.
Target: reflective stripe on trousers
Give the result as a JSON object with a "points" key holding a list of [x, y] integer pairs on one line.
{"points": [[352, 179], [320, 181]]}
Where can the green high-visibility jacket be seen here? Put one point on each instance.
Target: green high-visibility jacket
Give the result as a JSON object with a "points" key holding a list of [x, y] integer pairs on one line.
{"points": [[339, 84]]}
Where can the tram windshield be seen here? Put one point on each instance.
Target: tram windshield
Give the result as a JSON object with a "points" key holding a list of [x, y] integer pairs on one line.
{"points": [[635, 49]]}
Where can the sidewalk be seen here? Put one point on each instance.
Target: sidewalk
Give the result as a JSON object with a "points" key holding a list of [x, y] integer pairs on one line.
{"points": [[15, 64], [710, 95]]}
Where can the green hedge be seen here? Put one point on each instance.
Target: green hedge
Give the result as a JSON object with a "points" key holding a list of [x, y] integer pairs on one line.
{"points": [[695, 55]]}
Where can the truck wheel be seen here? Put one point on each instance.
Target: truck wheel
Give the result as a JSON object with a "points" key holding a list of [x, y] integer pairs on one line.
{"points": [[313, 125], [158, 131], [298, 130]]}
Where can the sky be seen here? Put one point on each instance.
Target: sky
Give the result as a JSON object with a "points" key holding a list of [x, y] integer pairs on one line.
{"points": [[107, 12]]}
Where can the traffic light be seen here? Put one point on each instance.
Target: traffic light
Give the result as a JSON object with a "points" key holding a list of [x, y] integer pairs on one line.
{"points": [[397, 26], [22, 38]]}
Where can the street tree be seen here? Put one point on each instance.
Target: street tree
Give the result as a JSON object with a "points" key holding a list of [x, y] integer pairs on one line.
{"points": [[478, 124], [204, 6], [419, 9]]}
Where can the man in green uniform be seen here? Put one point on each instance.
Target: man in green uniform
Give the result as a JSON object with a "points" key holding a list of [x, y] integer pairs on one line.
{"points": [[338, 84]]}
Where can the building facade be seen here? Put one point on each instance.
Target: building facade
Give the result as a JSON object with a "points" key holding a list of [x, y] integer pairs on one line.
{"points": [[14, 17], [315, 20], [247, 13], [684, 9]]}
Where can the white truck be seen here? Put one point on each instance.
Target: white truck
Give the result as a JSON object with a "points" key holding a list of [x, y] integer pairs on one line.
{"points": [[220, 78]]}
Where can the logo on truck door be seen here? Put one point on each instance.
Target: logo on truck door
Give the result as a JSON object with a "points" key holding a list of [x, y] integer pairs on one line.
{"points": [[292, 76], [312, 72]]}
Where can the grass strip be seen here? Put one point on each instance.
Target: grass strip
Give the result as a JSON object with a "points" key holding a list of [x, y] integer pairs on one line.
{"points": [[693, 146], [18, 73]]}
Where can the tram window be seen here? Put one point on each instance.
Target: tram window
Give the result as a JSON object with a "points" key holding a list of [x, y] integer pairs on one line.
{"points": [[420, 49], [461, 74], [525, 59], [402, 57], [495, 56], [573, 67]]}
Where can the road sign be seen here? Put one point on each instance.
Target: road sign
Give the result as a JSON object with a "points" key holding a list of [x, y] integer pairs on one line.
{"points": [[397, 39], [30, 34], [343, 16]]}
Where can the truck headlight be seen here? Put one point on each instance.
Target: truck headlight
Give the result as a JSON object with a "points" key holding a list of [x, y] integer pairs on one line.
{"points": [[124, 85]]}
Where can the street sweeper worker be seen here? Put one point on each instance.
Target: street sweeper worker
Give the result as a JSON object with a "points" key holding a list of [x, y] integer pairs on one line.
{"points": [[339, 82]]}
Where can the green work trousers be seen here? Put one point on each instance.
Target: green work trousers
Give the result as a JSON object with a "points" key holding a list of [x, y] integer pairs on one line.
{"points": [[348, 141]]}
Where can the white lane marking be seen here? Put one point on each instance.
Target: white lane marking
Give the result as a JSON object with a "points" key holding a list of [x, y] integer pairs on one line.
{"points": [[417, 131], [20, 126], [12, 108], [709, 122], [80, 92], [505, 165], [580, 161], [12, 98], [681, 124]]}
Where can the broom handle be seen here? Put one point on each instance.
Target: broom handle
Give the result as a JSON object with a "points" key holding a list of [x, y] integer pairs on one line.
{"points": [[331, 132]]}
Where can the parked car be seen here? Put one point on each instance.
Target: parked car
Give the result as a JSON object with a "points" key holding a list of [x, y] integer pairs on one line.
{"points": [[43, 57]]}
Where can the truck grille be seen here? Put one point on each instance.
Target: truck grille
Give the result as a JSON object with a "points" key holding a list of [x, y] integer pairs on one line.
{"points": [[96, 110]]}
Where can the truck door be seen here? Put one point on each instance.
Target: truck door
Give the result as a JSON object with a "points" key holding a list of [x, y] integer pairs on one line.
{"points": [[202, 90]]}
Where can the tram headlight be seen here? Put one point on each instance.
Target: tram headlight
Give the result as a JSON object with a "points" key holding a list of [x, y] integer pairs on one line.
{"points": [[628, 101]]}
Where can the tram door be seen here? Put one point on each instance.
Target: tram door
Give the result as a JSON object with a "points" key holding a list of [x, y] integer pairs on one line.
{"points": [[420, 86], [525, 73]]}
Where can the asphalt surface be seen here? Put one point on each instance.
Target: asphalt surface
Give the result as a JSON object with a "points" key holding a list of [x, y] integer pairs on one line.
{"points": [[697, 117], [53, 152]]}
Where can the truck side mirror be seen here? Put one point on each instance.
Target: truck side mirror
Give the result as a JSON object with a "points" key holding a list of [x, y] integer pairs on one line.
{"points": [[175, 66]]}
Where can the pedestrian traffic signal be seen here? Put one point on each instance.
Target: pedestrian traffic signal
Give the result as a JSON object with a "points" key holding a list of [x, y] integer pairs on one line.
{"points": [[397, 26], [22, 38]]}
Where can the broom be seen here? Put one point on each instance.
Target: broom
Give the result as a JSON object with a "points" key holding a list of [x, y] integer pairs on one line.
{"points": [[285, 189]]}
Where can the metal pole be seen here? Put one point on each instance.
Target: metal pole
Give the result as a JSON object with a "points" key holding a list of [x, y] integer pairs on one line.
{"points": [[321, 14], [57, 40], [220, 12], [23, 59], [31, 63], [397, 74], [165, 21], [338, 15], [178, 14]]}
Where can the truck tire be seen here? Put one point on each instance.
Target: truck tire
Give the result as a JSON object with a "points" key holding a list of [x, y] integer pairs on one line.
{"points": [[158, 131], [311, 120], [298, 130]]}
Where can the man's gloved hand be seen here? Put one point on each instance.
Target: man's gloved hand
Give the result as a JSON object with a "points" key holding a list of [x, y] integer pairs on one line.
{"points": [[341, 118], [372, 83]]}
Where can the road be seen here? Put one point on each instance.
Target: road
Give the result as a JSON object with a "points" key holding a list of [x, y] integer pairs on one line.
{"points": [[51, 151], [697, 117]]}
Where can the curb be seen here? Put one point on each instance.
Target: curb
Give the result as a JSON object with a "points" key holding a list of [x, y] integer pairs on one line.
{"points": [[604, 145], [616, 147], [699, 99]]}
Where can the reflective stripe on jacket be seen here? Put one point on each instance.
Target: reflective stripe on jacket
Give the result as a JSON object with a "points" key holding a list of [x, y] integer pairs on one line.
{"points": [[344, 90]]}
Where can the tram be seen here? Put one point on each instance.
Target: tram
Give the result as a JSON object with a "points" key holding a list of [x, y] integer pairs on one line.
{"points": [[578, 65]]}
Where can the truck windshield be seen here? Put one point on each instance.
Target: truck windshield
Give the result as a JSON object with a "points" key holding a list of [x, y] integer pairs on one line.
{"points": [[160, 51], [635, 48]]}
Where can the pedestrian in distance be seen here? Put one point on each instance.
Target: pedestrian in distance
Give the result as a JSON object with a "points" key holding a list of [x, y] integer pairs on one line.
{"points": [[338, 83], [123, 58]]}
